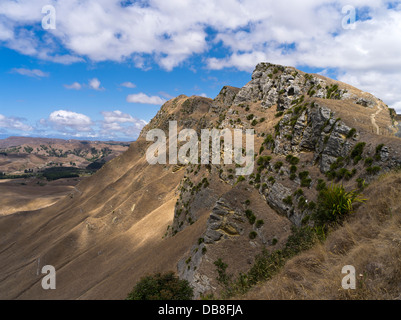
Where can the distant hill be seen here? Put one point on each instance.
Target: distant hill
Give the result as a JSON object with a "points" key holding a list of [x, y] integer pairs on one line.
{"points": [[21, 154]]}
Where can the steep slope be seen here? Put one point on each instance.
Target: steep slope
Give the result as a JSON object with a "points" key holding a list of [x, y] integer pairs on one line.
{"points": [[370, 241], [132, 218]]}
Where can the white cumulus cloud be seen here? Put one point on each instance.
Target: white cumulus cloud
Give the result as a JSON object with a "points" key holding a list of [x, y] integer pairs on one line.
{"points": [[95, 84], [145, 99], [116, 123], [68, 121]]}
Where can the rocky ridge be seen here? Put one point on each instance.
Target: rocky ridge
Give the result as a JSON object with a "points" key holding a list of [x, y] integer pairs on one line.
{"points": [[307, 132]]}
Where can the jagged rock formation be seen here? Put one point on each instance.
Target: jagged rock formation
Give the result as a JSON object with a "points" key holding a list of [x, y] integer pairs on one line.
{"points": [[132, 218], [307, 128]]}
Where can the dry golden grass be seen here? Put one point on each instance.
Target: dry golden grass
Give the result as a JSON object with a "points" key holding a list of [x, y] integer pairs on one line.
{"points": [[370, 241], [27, 195], [109, 231]]}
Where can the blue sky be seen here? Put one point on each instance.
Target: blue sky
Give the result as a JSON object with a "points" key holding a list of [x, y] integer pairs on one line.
{"points": [[33, 97], [108, 65]]}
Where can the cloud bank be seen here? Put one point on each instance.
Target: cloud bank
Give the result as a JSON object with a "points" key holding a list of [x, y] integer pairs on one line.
{"points": [[114, 125], [145, 99], [13, 123], [306, 33]]}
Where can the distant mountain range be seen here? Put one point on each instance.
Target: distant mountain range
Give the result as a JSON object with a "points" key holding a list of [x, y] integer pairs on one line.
{"points": [[21, 154]]}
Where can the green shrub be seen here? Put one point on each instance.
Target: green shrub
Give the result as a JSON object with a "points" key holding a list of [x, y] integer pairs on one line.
{"points": [[302, 203], [161, 287], [222, 277], [305, 181], [334, 204], [361, 183], [251, 217], [259, 223], [321, 184], [357, 151], [337, 164], [373, 170], [303, 175], [351, 133], [252, 235], [288, 137], [268, 140], [348, 175], [378, 149], [288, 200], [277, 128], [368, 162], [292, 160], [332, 90], [330, 175], [342, 173], [263, 160], [298, 193], [357, 159], [278, 165], [301, 239], [312, 205]]}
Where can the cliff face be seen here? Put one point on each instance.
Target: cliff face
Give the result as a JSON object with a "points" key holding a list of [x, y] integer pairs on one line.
{"points": [[132, 218]]}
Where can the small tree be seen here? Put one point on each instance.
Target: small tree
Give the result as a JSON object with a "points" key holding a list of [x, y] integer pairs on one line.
{"points": [[161, 287]]}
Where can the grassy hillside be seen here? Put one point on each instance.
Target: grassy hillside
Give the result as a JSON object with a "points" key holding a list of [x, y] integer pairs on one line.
{"points": [[369, 239], [222, 233]]}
